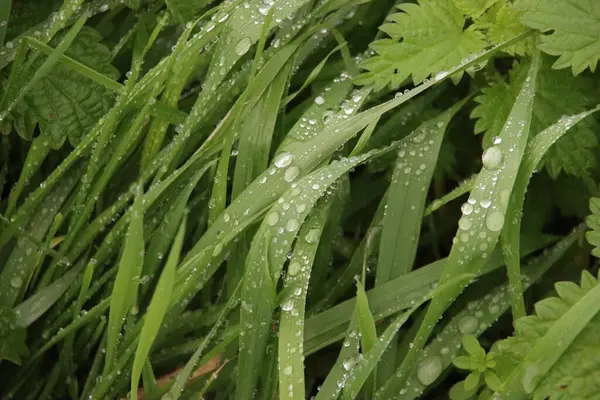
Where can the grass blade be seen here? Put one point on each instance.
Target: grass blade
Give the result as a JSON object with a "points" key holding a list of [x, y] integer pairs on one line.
{"points": [[156, 310], [127, 280]]}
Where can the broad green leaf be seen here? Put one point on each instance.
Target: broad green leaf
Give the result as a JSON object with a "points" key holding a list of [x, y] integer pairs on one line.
{"points": [[66, 105], [575, 47]]}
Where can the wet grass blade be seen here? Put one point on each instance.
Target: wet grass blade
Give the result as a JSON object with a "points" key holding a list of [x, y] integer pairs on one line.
{"points": [[124, 291], [478, 232], [534, 153], [156, 310]]}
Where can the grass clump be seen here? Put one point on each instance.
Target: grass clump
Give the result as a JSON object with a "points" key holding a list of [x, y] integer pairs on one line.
{"points": [[294, 199]]}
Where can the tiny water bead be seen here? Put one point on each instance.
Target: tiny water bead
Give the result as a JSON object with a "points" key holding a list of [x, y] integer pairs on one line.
{"points": [[466, 208], [283, 160], [492, 158], [319, 100], [287, 370], [429, 370], [243, 46], [288, 305], [464, 223], [494, 221]]}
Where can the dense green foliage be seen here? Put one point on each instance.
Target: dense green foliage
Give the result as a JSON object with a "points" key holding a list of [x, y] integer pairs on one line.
{"points": [[292, 199]]}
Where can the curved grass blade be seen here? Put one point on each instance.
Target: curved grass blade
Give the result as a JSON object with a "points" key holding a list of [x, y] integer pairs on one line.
{"points": [[23, 259], [477, 317], [127, 280], [35, 306], [406, 198], [478, 232], [464, 187], [534, 153], [291, 325], [156, 310]]}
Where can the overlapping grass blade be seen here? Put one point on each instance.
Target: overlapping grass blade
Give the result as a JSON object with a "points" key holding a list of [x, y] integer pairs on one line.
{"points": [[156, 310], [124, 291], [291, 325], [478, 232], [534, 153], [476, 317]]}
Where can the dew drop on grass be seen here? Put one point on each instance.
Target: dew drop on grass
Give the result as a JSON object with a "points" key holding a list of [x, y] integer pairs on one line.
{"points": [[292, 225], [283, 160], [287, 370], [243, 46], [494, 221], [272, 218], [291, 173], [294, 268], [466, 208], [16, 282], [218, 249], [348, 363], [464, 223], [468, 324], [429, 370], [287, 306], [492, 158], [312, 236], [319, 100]]}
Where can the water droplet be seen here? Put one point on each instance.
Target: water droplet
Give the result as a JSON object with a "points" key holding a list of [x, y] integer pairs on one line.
{"points": [[283, 160], [243, 46], [272, 218], [294, 268], [226, 217], [466, 208], [287, 306], [485, 203], [494, 221], [429, 370], [464, 223], [291, 173], [348, 363], [492, 158], [319, 100], [217, 250], [16, 282], [287, 370], [312, 236], [292, 225], [468, 324]]}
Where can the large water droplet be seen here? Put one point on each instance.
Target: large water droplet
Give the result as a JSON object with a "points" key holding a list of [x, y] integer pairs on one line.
{"points": [[429, 370], [294, 268], [313, 235], [272, 218], [492, 158], [16, 282], [292, 225], [464, 223], [283, 160], [348, 363], [291, 173], [466, 208], [243, 46], [494, 221], [287, 306], [468, 324]]}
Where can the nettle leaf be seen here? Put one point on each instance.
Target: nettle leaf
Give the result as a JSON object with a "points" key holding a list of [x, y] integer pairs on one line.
{"points": [[502, 22], [556, 352], [65, 103], [593, 222], [474, 8], [426, 38], [575, 30], [12, 337], [558, 93]]}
